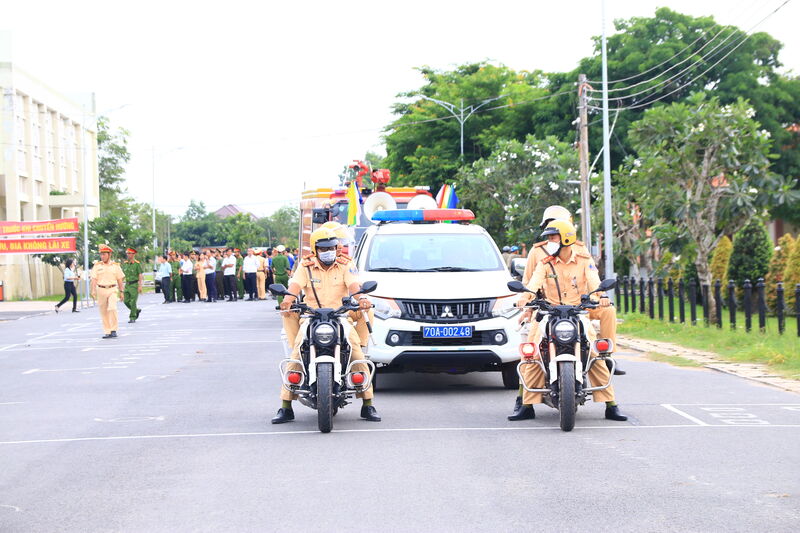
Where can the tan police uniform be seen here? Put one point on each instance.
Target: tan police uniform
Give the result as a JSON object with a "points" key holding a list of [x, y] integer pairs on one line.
{"points": [[106, 278], [331, 286], [358, 316], [576, 276], [200, 274], [261, 277], [291, 321]]}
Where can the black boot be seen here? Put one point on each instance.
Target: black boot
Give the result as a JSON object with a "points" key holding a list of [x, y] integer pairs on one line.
{"points": [[617, 370], [285, 414], [521, 412], [612, 413], [369, 413]]}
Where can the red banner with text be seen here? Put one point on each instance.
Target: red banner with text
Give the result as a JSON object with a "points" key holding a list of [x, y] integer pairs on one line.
{"points": [[62, 225], [53, 245]]}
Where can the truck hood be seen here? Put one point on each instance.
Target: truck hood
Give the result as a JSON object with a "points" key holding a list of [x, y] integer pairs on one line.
{"points": [[439, 285]]}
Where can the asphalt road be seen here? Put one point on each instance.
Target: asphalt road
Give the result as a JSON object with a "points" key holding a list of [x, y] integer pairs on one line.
{"points": [[167, 429]]}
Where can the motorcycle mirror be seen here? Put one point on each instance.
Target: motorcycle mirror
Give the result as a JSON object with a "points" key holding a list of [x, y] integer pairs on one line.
{"points": [[367, 287], [607, 284], [516, 286], [278, 289]]}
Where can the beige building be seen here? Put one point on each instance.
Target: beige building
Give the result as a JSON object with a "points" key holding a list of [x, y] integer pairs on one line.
{"points": [[49, 149]]}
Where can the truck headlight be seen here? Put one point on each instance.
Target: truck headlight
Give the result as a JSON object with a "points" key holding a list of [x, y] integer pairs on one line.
{"points": [[385, 308], [504, 306]]}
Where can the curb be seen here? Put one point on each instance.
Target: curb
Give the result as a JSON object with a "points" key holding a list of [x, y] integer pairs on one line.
{"points": [[752, 371]]}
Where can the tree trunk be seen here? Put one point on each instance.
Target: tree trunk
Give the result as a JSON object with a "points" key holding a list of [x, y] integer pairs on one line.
{"points": [[704, 276]]}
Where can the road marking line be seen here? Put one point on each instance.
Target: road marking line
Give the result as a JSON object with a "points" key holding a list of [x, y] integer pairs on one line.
{"points": [[687, 416], [731, 404], [392, 430], [11, 403]]}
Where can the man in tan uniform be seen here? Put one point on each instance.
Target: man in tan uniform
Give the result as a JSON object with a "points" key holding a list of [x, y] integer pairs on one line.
{"points": [[332, 278], [107, 286], [261, 276], [343, 236], [608, 323], [564, 276]]}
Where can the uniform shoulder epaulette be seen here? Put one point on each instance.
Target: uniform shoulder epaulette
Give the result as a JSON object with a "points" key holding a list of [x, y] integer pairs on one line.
{"points": [[343, 260], [580, 243], [583, 254], [307, 256], [307, 262], [539, 244]]}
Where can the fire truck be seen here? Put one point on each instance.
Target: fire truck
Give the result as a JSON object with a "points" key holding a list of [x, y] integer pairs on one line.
{"points": [[318, 206]]}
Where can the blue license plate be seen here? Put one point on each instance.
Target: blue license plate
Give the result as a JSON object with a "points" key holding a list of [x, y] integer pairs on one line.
{"points": [[446, 332]]}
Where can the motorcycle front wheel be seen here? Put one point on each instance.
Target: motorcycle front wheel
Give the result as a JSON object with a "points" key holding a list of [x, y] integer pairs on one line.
{"points": [[325, 397], [566, 394]]}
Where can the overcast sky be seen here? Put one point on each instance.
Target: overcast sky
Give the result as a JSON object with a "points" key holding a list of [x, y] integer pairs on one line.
{"points": [[245, 102]]}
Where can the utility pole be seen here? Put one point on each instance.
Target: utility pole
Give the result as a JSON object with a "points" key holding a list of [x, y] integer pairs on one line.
{"points": [[609, 236], [583, 155]]}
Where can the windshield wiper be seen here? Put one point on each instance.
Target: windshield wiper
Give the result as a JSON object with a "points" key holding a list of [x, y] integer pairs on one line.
{"points": [[449, 269], [391, 269]]}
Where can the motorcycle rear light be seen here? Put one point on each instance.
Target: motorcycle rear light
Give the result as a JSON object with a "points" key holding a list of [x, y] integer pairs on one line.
{"points": [[294, 378], [527, 350], [603, 345], [357, 378]]}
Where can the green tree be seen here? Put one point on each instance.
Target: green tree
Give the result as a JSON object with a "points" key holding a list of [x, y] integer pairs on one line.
{"points": [[720, 260], [282, 226], [791, 276], [240, 231], [423, 143], [752, 251], [776, 267], [509, 190], [199, 227], [705, 169], [112, 156]]}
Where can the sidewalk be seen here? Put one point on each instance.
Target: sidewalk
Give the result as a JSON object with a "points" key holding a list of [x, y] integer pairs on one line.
{"points": [[754, 371], [27, 309]]}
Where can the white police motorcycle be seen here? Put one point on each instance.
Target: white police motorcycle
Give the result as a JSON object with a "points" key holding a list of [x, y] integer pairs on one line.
{"points": [[323, 378], [564, 354]]}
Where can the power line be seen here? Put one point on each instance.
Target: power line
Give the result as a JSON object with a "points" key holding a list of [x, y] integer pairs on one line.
{"points": [[741, 42], [703, 34]]}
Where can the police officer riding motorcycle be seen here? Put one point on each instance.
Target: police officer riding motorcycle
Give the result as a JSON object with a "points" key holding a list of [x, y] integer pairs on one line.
{"points": [[563, 333], [327, 365]]}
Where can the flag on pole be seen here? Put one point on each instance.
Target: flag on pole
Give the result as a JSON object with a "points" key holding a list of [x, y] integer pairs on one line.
{"points": [[353, 204], [446, 197]]}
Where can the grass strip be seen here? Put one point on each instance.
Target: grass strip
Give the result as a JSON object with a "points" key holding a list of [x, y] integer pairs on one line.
{"points": [[780, 352]]}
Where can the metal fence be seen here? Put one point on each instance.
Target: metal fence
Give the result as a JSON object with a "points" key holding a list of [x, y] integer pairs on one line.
{"points": [[652, 293]]}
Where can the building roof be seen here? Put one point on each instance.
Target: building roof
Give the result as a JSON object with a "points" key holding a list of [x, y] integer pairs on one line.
{"points": [[229, 210]]}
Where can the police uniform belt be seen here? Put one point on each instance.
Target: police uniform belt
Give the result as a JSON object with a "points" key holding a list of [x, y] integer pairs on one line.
{"points": [[106, 286]]}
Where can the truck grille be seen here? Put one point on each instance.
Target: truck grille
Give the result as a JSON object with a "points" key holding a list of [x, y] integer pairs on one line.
{"points": [[446, 311]]}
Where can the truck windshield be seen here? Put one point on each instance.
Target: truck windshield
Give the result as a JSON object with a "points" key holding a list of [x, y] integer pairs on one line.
{"points": [[432, 253]]}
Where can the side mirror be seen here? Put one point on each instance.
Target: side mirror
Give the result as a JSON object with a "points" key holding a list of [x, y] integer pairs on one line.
{"points": [[367, 287], [516, 286], [607, 284], [518, 266], [279, 290]]}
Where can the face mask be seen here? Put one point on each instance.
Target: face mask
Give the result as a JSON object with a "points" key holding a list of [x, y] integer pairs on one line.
{"points": [[552, 248], [327, 257]]}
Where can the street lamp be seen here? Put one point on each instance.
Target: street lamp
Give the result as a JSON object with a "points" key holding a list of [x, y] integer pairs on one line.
{"points": [[459, 116]]}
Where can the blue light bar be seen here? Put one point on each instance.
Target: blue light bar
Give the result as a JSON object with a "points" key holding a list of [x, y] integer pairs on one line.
{"points": [[423, 215]]}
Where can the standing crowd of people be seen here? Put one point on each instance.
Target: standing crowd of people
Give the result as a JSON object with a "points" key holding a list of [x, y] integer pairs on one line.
{"points": [[215, 274]]}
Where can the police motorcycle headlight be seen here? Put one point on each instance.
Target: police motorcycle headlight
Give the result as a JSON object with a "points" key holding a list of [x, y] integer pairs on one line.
{"points": [[324, 335], [565, 331]]}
